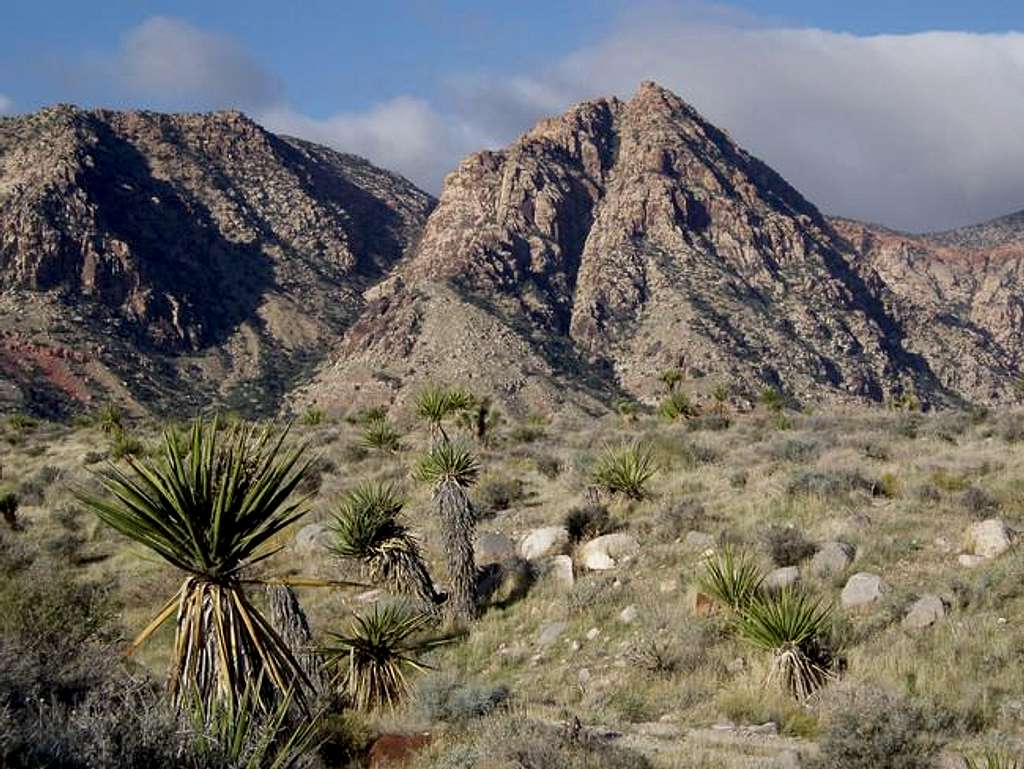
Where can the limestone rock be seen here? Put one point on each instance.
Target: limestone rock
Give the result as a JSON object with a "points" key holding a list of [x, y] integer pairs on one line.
{"points": [[491, 547], [833, 558], [988, 539], [551, 633], [608, 551], [861, 589], [312, 539], [926, 610], [781, 578], [627, 615], [560, 570], [544, 542]]}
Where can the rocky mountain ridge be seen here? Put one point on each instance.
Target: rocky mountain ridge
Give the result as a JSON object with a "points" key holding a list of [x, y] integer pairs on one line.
{"points": [[198, 259]]}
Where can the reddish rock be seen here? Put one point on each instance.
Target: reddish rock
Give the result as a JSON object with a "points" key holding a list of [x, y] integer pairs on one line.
{"points": [[396, 749]]}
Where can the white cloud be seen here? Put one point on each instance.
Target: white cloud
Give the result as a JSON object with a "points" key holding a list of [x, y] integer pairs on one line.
{"points": [[916, 131], [404, 134], [171, 61], [6, 105]]}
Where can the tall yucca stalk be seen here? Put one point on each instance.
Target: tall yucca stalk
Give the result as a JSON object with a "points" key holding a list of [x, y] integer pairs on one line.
{"points": [[211, 506], [450, 470], [368, 528], [373, 659]]}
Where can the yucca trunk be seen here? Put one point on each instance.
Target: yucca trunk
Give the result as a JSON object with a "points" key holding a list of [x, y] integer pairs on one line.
{"points": [[404, 571], [289, 620], [223, 645], [458, 529]]}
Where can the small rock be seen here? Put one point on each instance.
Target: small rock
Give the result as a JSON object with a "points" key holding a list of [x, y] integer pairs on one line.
{"points": [[369, 596], [703, 604], [543, 542], [551, 633], [608, 551], [927, 610], [780, 579], [861, 589], [988, 539], [492, 547], [735, 666], [970, 561], [948, 760], [769, 727], [560, 569], [667, 586], [627, 615], [699, 540], [593, 633], [583, 676], [833, 558]]}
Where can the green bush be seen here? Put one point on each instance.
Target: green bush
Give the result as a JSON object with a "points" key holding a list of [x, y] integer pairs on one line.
{"points": [[876, 730], [787, 545], [379, 435], [443, 697], [677, 405]]}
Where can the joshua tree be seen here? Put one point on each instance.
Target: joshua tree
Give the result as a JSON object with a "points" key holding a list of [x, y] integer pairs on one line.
{"points": [[368, 527], [480, 419], [211, 506], [435, 404], [450, 470]]}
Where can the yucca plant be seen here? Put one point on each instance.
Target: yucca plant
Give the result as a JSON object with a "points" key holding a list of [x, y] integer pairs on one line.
{"points": [[625, 470], [732, 579], [671, 378], [241, 736], [212, 506], [791, 626], [995, 761], [677, 405], [381, 436], [450, 469], [480, 420], [371, 663], [436, 404], [368, 527]]}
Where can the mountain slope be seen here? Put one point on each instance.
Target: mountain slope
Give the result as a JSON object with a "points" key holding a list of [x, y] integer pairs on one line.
{"points": [[616, 241], [182, 259]]}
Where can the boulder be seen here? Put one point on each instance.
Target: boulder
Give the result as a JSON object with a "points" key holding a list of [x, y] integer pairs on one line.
{"points": [[861, 589], [492, 547], [544, 542], [560, 570], [988, 539], [608, 551], [833, 558], [927, 610], [970, 561], [780, 579]]}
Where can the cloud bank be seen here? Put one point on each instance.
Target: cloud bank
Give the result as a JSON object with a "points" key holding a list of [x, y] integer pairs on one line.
{"points": [[919, 132]]}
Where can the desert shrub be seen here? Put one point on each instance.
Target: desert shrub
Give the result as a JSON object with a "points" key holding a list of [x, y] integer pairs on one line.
{"points": [[547, 465], [794, 449], [827, 483], [517, 741], [693, 455], [92, 457], [888, 485], [949, 481], [312, 417], [525, 434], [124, 444], [589, 593], [353, 453], [657, 656], [738, 479], [676, 517], [787, 545], [906, 425], [978, 502], [587, 521], [876, 730], [496, 494], [32, 491], [1011, 428], [442, 697], [625, 470], [710, 422], [677, 405]]}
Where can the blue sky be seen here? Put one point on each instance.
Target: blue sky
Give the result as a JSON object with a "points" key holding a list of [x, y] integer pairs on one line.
{"points": [[874, 109]]}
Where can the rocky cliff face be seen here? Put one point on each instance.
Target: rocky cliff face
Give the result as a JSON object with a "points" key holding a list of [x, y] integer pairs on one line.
{"points": [[186, 255], [625, 238]]}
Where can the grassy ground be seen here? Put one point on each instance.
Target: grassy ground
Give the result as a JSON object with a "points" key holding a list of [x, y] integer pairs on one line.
{"points": [[900, 487]]}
